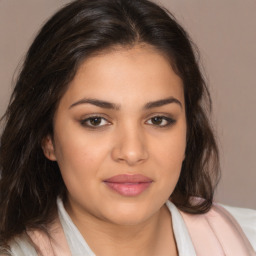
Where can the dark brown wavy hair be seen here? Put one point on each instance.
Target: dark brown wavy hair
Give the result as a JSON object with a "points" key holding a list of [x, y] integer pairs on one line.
{"points": [[29, 182]]}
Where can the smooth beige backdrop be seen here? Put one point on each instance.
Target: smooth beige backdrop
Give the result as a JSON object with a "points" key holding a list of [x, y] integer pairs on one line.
{"points": [[225, 32]]}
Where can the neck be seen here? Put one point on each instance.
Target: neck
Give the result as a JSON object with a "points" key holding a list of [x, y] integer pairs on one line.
{"points": [[152, 237]]}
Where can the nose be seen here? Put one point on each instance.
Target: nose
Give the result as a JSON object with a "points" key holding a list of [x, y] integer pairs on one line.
{"points": [[130, 146]]}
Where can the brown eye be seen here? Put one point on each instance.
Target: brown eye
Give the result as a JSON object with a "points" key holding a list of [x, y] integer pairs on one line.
{"points": [[94, 122], [157, 120], [161, 121]]}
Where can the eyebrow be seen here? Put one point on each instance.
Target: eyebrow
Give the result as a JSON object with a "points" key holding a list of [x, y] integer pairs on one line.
{"points": [[98, 103], [160, 103], [109, 105]]}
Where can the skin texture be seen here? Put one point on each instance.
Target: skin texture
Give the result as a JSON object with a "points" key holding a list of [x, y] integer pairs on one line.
{"points": [[125, 140]]}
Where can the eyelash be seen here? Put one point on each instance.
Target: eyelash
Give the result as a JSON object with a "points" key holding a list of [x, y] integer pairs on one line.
{"points": [[169, 121], [85, 122]]}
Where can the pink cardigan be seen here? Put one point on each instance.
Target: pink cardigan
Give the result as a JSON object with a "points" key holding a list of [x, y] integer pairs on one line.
{"points": [[215, 233]]}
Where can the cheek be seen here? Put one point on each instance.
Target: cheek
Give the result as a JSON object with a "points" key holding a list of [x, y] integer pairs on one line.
{"points": [[171, 150], [79, 166], [169, 156], [80, 156]]}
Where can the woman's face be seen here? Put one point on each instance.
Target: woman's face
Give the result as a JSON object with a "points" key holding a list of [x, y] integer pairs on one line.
{"points": [[120, 135]]}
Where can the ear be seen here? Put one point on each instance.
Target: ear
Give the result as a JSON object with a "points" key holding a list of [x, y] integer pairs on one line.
{"points": [[48, 148]]}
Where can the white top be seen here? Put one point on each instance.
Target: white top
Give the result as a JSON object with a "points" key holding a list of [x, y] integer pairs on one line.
{"points": [[78, 246]]}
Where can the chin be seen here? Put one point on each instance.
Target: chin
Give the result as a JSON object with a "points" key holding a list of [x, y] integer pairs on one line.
{"points": [[129, 215], [128, 220]]}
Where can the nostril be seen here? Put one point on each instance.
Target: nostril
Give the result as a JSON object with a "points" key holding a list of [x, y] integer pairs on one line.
{"points": [[130, 153]]}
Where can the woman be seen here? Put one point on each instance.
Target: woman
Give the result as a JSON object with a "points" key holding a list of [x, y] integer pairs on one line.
{"points": [[107, 148]]}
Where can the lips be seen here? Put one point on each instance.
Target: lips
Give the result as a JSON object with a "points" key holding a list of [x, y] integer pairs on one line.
{"points": [[128, 185]]}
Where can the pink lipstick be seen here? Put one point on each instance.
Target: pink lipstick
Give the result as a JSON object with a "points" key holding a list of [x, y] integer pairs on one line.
{"points": [[128, 185]]}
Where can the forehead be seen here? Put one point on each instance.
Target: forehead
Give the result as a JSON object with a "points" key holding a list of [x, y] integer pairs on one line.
{"points": [[126, 74]]}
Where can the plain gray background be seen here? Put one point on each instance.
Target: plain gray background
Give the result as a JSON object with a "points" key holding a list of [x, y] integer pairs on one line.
{"points": [[224, 31]]}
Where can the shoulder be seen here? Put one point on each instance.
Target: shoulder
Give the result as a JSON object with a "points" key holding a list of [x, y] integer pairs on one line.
{"points": [[246, 219], [219, 230], [34, 242], [19, 246], [52, 241]]}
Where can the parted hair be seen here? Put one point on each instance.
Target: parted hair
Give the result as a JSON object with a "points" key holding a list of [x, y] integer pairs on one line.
{"points": [[30, 183]]}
